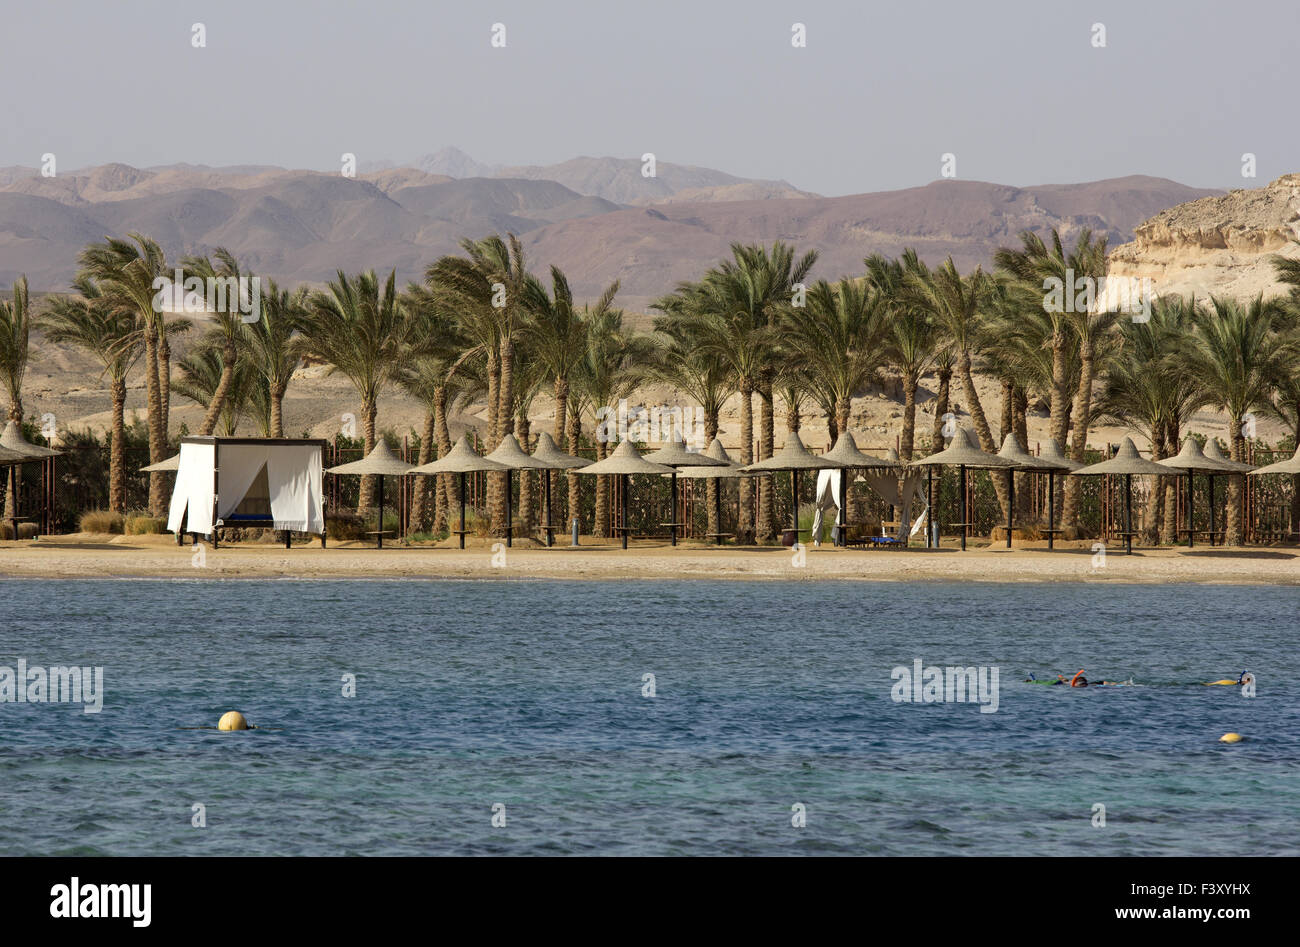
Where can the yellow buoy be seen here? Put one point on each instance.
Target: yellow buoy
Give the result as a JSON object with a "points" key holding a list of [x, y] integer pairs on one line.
{"points": [[1230, 738], [234, 720]]}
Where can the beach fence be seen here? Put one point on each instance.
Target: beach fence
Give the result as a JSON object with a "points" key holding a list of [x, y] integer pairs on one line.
{"points": [[54, 492]]}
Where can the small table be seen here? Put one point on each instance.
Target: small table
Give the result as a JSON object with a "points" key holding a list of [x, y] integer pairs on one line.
{"points": [[674, 527], [1052, 533], [1127, 535], [379, 535]]}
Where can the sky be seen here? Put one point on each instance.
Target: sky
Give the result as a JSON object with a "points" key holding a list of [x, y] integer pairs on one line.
{"points": [[1016, 92]]}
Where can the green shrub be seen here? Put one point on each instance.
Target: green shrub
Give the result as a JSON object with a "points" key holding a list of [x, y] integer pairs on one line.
{"points": [[25, 530], [102, 521], [142, 524]]}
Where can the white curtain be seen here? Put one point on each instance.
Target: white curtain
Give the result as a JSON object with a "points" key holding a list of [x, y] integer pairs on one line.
{"points": [[240, 465], [828, 498], [193, 490], [294, 474]]}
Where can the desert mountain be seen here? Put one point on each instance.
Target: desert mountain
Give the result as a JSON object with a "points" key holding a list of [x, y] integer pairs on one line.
{"points": [[1217, 245]]}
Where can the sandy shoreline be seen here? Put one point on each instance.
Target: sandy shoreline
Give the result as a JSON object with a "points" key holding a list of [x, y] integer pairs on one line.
{"points": [[160, 557]]}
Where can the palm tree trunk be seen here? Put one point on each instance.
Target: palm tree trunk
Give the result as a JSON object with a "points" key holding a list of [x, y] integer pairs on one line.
{"points": [[164, 379], [1081, 415], [495, 497], [444, 488], [601, 525], [420, 489], [981, 424], [766, 444], [1233, 535], [116, 460], [711, 485], [1020, 427], [1156, 501], [575, 490], [1008, 413], [277, 410], [154, 410], [369, 409], [228, 355], [15, 415], [527, 515], [1169, 508], [910, 384], [941, 405], [745, 528], [1060, 399]]}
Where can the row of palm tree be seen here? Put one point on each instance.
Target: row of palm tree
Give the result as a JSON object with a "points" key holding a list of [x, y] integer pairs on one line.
{"points": [[480, 328]]}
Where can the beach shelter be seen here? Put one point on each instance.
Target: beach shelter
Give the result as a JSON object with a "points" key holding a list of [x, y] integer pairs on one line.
{"points": [[1050, 453], [1290, 466], [833, 484], [675, 455], [1212, 452], [624, 462], [794, 457], [462, 460], [1027, 463], [963, 453], [274, 483], [511, 456], [727, 469], [1193, 460], [1128, 462], [16, 450], [381, 463], [171, 464], [558, 460]]}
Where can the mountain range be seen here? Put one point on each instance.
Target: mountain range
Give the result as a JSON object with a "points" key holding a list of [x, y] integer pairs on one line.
{"points": [[598, 219]]}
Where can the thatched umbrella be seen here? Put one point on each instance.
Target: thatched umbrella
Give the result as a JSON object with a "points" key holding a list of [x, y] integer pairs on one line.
{"points": [[379, 462], [511, 456], [1290, 466], [623, 462], [559, 460], [16, 450], [674, 454], [962, 453], [1127, 461], [461, 459], [1026, 462], [727, 469], [847, 457], [1212, 452], [1055, 462], [794, 457], [1193, 460], [172, 464]]}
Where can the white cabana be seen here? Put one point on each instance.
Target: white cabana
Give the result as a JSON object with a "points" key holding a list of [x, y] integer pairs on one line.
{"points": [[273, 483], [884, 483]]}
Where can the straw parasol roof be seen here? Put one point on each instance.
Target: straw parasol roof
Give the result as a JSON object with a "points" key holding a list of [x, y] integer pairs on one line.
{"points": [[675, 454], [728, 469], [1235, 466], [1192, 458], [380, 461], [547, 451], [460, 459], [625, 460], [171, 463], [1291, 466], [12, 440], [510, 454], [793, 456], [1126, 461], [1051, 454], [1012, 451], [11, 457], [963, 452], [845, 453]]}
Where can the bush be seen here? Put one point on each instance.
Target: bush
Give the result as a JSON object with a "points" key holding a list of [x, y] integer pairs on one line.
{"points": [[142, 524], [345, 526], [25, 531], [102, 521]]}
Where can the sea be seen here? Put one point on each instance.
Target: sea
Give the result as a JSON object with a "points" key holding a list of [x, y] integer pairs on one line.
{"points": [[692, 717]]}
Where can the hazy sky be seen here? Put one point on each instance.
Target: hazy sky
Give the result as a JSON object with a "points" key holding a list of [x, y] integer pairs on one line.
{"points": [[1016, 91]]}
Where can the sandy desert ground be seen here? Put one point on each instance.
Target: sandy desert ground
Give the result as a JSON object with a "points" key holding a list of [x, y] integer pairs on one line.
{"points": [[84, 556]]}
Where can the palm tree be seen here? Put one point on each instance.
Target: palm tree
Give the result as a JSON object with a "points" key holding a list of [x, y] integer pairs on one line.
{"points": [[125, 272], [114, 337], [359, 328], [15, 351], [1235, 353], [269, 347], [205, 376], [912, 340], [227, 323]]}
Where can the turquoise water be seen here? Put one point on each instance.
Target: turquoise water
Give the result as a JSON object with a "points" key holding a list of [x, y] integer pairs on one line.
{"points": [[529, 694]]}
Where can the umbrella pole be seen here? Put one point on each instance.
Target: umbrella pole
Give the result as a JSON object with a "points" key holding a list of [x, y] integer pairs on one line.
{"points": [[673, 517], [1128, 514], [550, 533], [1011, 501], [462, 510], [963, 507], [1211, 509], [13, 489], [510, 513], [1051, 509], [717, 510], [1191, 522], [625, 484], [794, 503], [929, 513], [380, 534]]}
